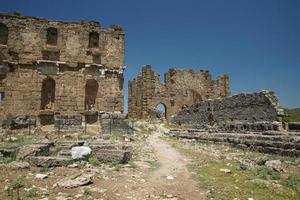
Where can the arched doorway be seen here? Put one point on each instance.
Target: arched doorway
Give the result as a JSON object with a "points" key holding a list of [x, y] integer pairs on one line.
{"points": [[161, 111], [48, 94], [91, 90]]}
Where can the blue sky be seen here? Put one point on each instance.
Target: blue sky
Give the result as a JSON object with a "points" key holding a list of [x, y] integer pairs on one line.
{"points": [[256, 42]]}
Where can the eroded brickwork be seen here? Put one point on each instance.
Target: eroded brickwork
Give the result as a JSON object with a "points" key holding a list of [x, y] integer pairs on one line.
{"points": [[243, 112], [50, 66], [181, 88]]}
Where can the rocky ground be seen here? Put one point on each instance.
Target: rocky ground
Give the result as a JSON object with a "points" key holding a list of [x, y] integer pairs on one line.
{"points": [[161, 168]]}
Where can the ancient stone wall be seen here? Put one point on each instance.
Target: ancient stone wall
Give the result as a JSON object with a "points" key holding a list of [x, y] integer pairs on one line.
{"points": [[181, 88], [63, 67], [249, 112]]}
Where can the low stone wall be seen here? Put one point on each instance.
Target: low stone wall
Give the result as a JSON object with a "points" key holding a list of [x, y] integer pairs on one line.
{"points": [[67, 121], [111, 122], [250, 112], [294, 126], [18, 122]]}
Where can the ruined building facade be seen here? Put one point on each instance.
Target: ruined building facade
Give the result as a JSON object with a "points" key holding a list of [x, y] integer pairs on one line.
{"points": [[181, 88], [51, 68]]}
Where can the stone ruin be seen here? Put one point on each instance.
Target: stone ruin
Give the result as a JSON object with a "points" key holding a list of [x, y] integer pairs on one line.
{"points": [[243, 112], [181, 88], [55, 72], [248, 121]]}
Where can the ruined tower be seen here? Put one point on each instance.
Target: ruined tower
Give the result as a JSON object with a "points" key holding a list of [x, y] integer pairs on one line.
{"points": [[181, 88]]}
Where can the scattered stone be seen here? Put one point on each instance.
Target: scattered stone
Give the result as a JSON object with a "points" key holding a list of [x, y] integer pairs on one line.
{"points": [[275, 165], [81, 152], [226, 171], [74, 165], [41, 176], [18, 165], [75, 181]]}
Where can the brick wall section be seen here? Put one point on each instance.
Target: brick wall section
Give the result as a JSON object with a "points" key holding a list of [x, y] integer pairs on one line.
{"points": [[28, 60], [181, 87], [254, 112]]}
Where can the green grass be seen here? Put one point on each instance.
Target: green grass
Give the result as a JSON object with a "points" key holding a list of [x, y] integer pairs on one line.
{"points": [[237, 184], [31, 193], [154, 164], [293, 115], [94, 161]]}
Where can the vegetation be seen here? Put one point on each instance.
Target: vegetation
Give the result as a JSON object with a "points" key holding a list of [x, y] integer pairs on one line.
{"points": [[260, 182], [116, 27], [14, 187], [32, 192], [87, 192], [94, 161], [292, 115]]}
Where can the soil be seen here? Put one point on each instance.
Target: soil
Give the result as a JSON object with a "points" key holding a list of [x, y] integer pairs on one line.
{"points": [[170, 179]]}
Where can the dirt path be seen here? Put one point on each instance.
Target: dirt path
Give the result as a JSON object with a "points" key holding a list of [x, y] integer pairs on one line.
{"points": [[172, 178]]}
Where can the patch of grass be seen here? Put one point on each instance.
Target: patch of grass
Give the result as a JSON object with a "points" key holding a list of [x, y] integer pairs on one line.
{"points": [[154, 164], [44, 169], [292, 115], [206, 165], [94, 161], [115, 166], [87, 192], [265, 172], [6, 160], [32, 192], [14, 188], [294, 182]]}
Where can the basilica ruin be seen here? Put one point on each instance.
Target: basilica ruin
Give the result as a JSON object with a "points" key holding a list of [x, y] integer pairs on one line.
{"points": [[55, 69], [181, 88]]}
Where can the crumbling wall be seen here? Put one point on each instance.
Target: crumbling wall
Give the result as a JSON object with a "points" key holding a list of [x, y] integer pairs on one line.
{"points": [[181, 88], [69, 53], [250, 112]]}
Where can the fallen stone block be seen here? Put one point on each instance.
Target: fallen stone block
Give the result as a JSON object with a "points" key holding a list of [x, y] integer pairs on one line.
{"points": [[33, 150], [75, 181], [80, 153], [45, 161]]}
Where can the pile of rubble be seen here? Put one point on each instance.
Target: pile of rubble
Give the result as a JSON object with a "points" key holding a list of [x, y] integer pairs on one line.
{"points": [[273, 142]]}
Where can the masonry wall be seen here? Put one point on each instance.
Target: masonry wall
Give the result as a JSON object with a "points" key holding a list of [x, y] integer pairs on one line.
{"points": [[181, 88], [250, 112], [28, 59]]}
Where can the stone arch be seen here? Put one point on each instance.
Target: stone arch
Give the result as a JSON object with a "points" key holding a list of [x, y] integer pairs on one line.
{"points": [[48, 94], [3, 34], [93, 39], [91, 90], [161, 110], [52, 35]]}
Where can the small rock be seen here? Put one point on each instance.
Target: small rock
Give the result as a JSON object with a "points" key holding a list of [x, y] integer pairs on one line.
{"points": [[226, 171], [274, 164], [74, 165], [41, 176], [170, 178]]}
